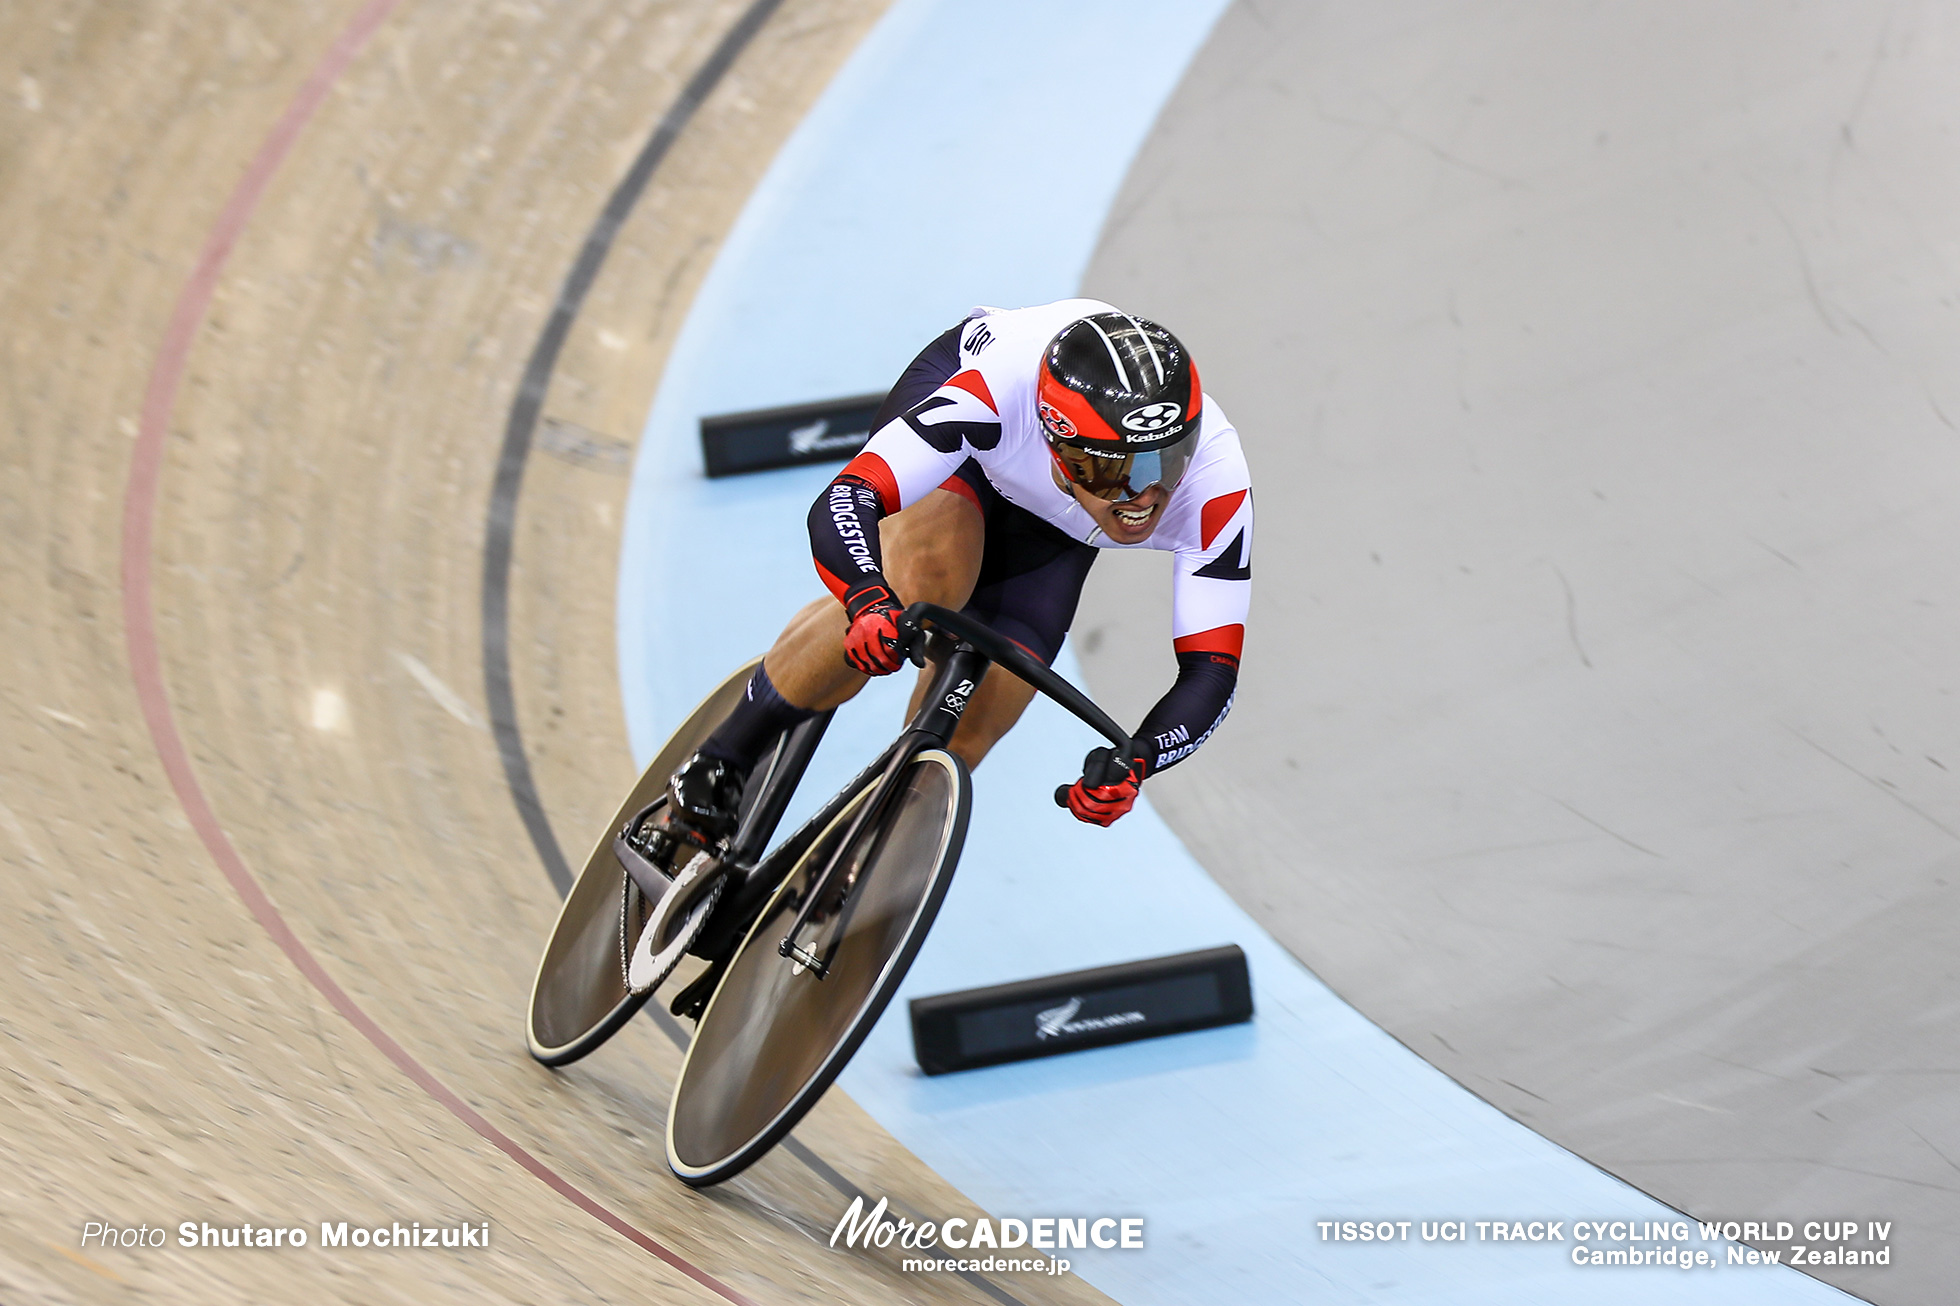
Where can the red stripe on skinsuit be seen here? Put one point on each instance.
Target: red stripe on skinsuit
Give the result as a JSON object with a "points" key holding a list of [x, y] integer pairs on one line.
{"points": [[1217, 512], [1219, 639], [836, 587], [976, 385], [876, 473], [957, 484]]}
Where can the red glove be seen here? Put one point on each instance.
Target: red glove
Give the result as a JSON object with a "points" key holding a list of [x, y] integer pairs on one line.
{"points": [[874, 644], [1108, 787]]}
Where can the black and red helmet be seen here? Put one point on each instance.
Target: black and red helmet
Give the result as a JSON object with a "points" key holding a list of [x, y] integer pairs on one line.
{"points": [[1120, 403]]}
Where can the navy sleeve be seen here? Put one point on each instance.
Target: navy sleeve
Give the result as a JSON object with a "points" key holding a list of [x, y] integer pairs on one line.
{"points": [[1195, 705], [844, 534]]}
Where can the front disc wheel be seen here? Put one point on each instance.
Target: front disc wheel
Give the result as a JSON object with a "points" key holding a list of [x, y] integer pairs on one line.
{"points": [[775, 1035]]}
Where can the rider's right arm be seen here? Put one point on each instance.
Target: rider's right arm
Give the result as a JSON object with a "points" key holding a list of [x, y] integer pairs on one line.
{"points": [[906, 459]]}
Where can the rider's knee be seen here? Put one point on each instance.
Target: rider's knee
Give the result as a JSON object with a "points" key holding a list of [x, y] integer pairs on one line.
{"points": [[991, 714], [973, 747]]}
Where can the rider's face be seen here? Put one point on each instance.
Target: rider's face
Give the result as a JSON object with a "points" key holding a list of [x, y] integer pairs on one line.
{"points": [[1129, 522]]}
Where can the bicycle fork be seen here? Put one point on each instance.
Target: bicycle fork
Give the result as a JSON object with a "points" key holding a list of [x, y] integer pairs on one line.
{"points": [[937, 718]]}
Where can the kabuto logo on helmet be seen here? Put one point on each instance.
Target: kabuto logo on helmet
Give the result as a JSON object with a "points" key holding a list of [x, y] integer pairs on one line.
{"points": [[1152, 417]]}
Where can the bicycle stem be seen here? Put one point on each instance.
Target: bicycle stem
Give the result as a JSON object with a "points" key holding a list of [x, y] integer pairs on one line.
{"points": [[1005, 652]]}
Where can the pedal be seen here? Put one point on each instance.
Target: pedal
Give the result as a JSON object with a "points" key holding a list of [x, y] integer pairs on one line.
{"points": [[644, 851]]}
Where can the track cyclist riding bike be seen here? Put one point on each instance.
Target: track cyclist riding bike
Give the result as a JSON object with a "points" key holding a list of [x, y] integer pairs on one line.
{"points": [[1013, 447]]}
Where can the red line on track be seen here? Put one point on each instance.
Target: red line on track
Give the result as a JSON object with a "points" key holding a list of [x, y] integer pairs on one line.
{"points": [[145, 657]]}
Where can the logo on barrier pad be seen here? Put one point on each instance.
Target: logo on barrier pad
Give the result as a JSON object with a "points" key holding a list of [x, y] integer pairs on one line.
{"points": [[816, 438], [1057, 1021]]}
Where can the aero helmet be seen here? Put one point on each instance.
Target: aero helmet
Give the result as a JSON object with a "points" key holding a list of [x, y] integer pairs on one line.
{"points": [[1119, 402]]}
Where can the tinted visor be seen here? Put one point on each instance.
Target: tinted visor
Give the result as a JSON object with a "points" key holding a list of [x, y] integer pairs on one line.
{"points": [[1119, 476]]}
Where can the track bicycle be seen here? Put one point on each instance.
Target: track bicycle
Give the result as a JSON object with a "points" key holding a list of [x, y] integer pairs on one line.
{"points": [[806, 943]]}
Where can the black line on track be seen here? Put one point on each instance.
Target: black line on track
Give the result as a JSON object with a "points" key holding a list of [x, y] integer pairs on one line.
{"points": [[500, 526], [499, 532]]}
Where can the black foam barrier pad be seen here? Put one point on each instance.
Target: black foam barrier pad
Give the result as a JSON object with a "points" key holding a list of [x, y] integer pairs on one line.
{"points": [[1082, 1009], [825, 432]]}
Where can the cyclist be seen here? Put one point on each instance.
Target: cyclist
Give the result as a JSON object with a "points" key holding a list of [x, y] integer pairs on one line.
{"points": [[1016, 445]]}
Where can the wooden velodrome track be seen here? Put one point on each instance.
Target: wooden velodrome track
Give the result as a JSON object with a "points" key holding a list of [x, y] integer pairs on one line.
{"points": [[272, 279]]}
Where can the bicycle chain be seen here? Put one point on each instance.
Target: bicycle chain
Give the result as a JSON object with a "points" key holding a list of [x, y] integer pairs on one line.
{"points": [[625, 919]]}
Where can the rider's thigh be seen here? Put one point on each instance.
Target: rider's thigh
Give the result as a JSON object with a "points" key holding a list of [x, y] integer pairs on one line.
{"points": [[933, 549]]}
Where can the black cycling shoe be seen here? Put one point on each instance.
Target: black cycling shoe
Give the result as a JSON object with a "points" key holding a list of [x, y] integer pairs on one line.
{"points": [[704, 798]]}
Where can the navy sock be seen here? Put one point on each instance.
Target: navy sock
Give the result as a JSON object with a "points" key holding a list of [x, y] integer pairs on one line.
{"points": [[747, 732]]}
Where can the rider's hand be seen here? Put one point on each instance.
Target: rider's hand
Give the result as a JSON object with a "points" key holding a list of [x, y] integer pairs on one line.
{"points": [[1108, 787], [874, 644]]}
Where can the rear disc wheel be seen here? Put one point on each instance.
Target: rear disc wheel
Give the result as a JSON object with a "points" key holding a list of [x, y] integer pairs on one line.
{"points": [[580, 996]]}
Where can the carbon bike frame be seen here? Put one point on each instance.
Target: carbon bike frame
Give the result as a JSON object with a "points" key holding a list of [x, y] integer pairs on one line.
{"points": [[960, 673]]}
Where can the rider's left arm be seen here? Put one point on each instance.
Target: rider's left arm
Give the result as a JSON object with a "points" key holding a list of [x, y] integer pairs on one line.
{"points": [[1207, 679], [1207, 675], [1211, 593]]}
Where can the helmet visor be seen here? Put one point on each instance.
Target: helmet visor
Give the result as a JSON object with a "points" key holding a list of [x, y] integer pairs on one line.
{"points": [[1119, 476]]}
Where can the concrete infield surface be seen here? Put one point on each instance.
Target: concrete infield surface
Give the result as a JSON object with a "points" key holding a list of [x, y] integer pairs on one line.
{"points": [[1594, 364], [1597, 732]]}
